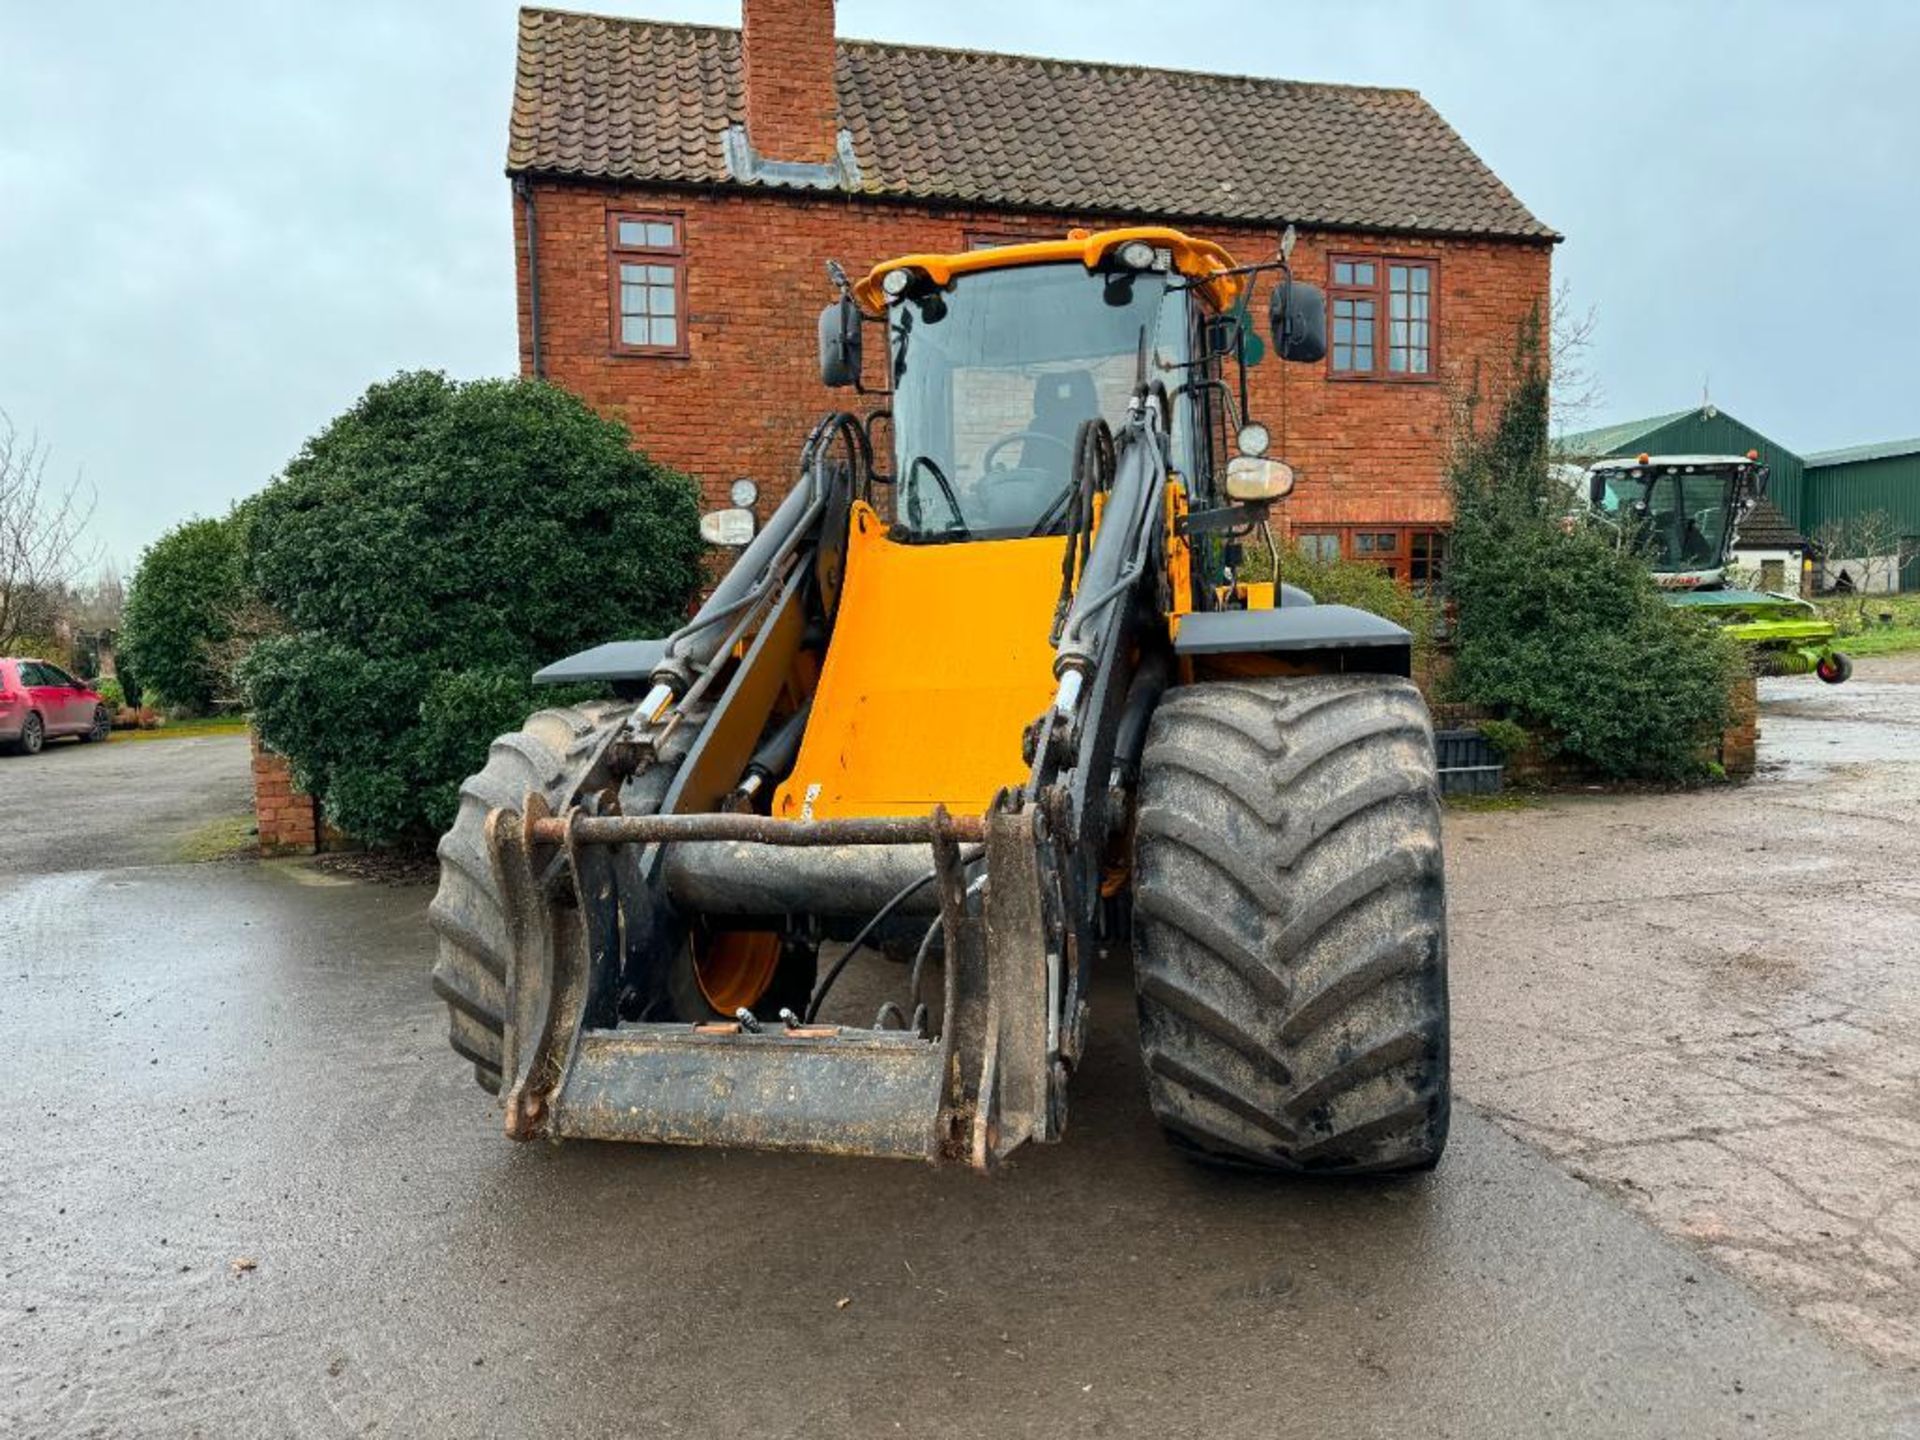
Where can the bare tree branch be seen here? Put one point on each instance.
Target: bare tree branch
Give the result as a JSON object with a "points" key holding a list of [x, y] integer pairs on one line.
{"points": [[42, 537], [1576, 392], [1866, 549]]}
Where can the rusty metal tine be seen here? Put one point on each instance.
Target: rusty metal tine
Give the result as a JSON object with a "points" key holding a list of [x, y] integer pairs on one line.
{"points": [[760, 829]]}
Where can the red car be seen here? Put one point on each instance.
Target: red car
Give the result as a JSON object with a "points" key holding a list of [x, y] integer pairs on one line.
{"points": [[40, 702]]}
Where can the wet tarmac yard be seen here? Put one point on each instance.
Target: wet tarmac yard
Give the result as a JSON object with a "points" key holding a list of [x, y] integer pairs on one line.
{"points": [[244, 1189]]}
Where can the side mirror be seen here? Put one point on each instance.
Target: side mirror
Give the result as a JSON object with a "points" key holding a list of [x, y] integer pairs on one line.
{"points": [[1596, 490], [840, 344], [1255, 481], [1761, 478], [1298, 315]]}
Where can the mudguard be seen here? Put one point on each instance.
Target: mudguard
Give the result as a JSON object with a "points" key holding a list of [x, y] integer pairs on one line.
{"points": [[629, 660], [1361, 639]]}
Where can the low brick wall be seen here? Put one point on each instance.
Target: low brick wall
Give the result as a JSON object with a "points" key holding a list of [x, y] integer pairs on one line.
{"points": [[288, 818], [1736, 753]]}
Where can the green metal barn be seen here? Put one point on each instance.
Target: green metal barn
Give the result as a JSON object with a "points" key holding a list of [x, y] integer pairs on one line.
{"points": [[1843, 485]]}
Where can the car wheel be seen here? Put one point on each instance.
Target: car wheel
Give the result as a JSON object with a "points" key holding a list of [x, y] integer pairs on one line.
{"points": [[33, 735], [102, 726]]}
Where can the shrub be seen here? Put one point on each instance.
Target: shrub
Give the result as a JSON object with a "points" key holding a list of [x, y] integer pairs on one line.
{"points": [[181, 605], [43, 647], [111, 695], [427, 552], [1558, 628], [1505, 736]]}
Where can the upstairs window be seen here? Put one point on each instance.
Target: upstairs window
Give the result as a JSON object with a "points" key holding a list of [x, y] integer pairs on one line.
{"points": [[1382, 309], [648, 266]]}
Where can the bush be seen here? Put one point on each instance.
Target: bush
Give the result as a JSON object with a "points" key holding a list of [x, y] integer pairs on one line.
{"points": [[111, 695], [1559, 629], [427, 552], [1505, 736], [180, 614], [43, 647]]}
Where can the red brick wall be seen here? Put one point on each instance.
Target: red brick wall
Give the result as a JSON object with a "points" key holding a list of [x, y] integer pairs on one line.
{"points": [[742, 401], [786, 62], [285, 815]]}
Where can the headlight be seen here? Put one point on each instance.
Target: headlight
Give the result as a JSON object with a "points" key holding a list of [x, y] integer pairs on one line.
{"points": [[1258, 482], [1137, 255], [727, 527], [895, 282], [743, 492], [1253, 439]]}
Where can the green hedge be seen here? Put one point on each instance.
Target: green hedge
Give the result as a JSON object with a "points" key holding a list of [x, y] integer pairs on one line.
{"points": [[180, 611], [1560, 629], [427, 552]]}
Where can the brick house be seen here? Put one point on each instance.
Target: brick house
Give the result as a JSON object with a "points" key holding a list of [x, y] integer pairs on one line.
{"points": [[678, 190]]}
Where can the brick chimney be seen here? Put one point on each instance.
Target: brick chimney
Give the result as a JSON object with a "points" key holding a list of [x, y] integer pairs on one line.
{"points": [[786, 61]]}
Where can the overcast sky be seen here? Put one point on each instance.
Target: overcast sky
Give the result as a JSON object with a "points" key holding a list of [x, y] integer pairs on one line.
{"points": [[220, 222]]}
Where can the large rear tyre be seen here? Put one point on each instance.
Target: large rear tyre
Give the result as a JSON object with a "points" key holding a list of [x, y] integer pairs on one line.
{"points": [[555, 753], [1290, 925]]}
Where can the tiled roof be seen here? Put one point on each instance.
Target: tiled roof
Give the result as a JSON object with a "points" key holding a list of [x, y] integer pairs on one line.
{"points": [[1883, 450], [1767, 528], [614, 99]]}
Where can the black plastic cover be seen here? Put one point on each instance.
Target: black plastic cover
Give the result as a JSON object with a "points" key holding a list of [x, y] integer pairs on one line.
{"points": [[616, 660]]}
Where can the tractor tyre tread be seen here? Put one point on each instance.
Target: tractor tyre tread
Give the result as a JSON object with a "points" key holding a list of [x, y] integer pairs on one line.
{"points": [[1289, 925], [549, 754]]}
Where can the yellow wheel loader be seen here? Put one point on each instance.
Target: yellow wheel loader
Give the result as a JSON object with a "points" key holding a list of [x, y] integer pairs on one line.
{"points": [[986, 695]]}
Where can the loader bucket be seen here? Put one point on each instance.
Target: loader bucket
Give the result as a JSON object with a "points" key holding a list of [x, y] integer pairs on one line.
{"points": [[980, 1087]]}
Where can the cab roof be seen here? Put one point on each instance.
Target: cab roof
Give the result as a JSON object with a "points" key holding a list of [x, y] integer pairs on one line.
{"points": [[1634, 462], [1199, 260]]}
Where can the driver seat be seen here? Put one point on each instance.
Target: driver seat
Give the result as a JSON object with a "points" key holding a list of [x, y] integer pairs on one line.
{"points": [[1061, 402]]}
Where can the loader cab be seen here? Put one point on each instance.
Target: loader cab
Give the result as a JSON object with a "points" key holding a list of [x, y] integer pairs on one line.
{"points": [[995, 359]]}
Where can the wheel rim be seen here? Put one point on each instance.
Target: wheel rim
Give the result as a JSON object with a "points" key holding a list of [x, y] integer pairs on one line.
{"points": [[735, 967], [32, 734], [102, 723]]}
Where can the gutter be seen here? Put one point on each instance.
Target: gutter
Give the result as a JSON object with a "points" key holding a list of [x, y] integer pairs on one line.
{"points": [[524, 189]]}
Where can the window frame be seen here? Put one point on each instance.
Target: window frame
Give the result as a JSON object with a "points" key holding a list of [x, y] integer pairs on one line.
{"points": [[674, 258], [1381, 298], [1397, 558]]}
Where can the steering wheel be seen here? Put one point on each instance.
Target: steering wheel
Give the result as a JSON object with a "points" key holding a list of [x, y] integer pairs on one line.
{"points": [[986, 460], [946, 490]]}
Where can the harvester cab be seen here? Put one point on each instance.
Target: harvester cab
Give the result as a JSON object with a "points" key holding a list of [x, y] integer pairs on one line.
{"points": [[989, 695], [1682, 513]]}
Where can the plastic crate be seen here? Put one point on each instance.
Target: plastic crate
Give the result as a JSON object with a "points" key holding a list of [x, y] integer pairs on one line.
{"points": [[1469, 765]]}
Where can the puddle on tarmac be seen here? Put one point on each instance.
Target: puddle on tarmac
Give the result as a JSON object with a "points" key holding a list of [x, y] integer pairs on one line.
{"points": [[1809, 730]]}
